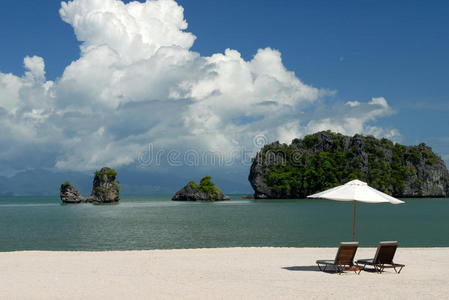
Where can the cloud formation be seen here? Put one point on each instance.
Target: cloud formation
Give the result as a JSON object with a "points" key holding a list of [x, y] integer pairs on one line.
{"points": [[137, 82]]}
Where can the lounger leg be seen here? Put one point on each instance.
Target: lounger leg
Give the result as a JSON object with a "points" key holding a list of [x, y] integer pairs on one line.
{"points": [[377, 268], [360, 268], [398, 272], [322, 269], [337, 269]]}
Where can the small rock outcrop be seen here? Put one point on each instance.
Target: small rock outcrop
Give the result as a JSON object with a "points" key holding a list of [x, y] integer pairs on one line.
{"points": [[105, 187], [70, 194], [325, 159], [205, 191]]}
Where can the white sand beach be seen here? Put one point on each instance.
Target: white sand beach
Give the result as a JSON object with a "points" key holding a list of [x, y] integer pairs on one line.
{"points": [[231, 273]]}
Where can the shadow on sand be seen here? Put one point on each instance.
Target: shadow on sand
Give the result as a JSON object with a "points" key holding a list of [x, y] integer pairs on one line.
{"points": [[302, 268], [313, 269]]}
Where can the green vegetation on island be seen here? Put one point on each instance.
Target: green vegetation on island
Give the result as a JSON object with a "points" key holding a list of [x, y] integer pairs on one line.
{"points": [[326, 159], [205, 191], [111, 173], [206, 186], [65, 184]]}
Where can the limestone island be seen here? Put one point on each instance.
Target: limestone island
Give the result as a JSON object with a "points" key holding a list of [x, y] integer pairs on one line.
{"points": [[205, 191], [325, 159], [105, 189]]}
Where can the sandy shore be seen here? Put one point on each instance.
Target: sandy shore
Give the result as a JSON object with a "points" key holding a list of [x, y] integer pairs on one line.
{"points": [[233, 273]]}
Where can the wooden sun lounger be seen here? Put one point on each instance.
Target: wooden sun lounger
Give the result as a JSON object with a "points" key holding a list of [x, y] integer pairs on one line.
{"points": [[344, 258], [383, 258]]}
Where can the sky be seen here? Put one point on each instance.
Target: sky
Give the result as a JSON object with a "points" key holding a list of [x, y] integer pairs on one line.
{"points": [[88, 83]]}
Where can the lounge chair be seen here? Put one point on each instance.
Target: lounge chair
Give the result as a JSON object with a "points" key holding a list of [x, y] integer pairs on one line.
{"points": [[383, 258], [344, 258]]}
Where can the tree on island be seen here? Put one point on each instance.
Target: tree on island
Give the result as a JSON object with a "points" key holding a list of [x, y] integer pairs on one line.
{"points": [[205, 191]]}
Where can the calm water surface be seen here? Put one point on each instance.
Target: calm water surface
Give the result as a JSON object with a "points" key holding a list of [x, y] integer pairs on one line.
{"points": [[155, 222]]}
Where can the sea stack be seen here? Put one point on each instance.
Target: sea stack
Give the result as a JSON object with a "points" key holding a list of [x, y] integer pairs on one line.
{"points": [[105, 187], [205, 191], [70, 194]]}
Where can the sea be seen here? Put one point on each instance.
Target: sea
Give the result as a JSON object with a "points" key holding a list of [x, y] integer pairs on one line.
{"points": [[156, 222]]}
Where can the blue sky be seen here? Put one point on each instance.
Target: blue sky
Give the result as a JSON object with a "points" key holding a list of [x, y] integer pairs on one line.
{"points": [[361, 50]]}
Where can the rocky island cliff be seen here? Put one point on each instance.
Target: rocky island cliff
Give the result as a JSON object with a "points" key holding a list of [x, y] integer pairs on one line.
{"points": [[326, 159], [105, 189], [70, 194], [205, 191]]}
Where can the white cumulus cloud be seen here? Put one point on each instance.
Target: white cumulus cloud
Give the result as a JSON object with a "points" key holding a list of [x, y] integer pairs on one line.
{"points": [[137, 81], [355, 117], [353, 103]]}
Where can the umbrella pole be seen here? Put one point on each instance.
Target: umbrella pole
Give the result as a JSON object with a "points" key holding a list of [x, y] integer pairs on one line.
{"points": [[353, 222]]}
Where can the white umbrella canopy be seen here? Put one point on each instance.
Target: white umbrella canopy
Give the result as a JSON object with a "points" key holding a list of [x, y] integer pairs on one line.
{"points": [[356, 190]]}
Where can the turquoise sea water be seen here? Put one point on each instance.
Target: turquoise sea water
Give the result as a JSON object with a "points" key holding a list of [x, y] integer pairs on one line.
{"points": [[155, 222]]}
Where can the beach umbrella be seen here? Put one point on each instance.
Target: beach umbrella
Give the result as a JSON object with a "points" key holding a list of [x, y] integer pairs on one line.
{"points": [[356, 190]]}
